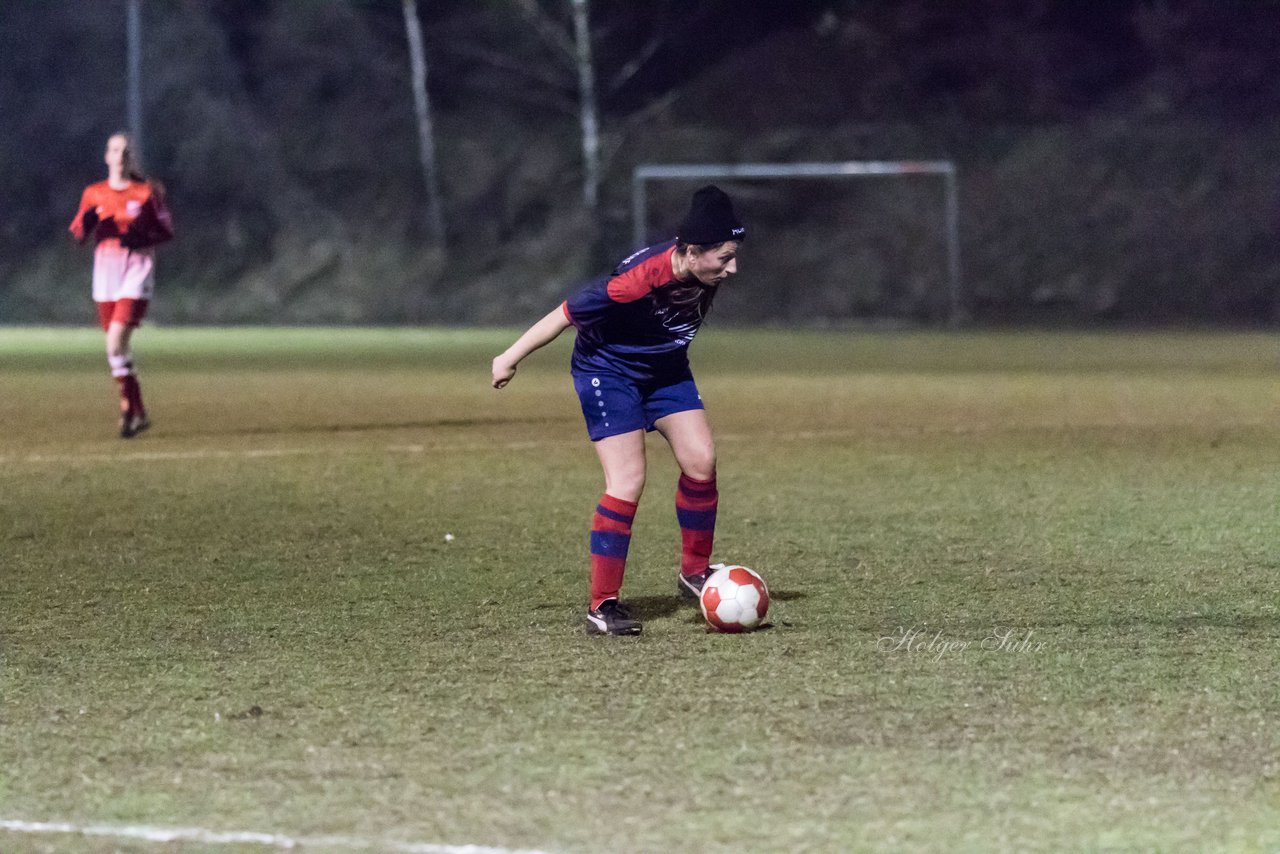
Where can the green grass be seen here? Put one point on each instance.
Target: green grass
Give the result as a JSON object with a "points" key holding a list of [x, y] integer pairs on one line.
{"points": [[250, 619]]}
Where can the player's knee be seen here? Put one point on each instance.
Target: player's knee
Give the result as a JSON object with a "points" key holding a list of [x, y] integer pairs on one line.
{"points": [[627, 484], [700, 464], [117, 345], [703, 472]]}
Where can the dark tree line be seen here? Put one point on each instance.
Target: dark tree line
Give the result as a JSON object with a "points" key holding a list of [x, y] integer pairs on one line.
{"points": [[1116, 160]]}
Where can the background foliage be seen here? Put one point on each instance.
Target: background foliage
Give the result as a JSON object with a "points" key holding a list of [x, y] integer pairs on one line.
{"points": [[1116, 163]]}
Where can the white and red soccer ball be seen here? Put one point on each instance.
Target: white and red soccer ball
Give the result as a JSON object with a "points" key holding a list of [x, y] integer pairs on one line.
{"points": [[734, 599]]}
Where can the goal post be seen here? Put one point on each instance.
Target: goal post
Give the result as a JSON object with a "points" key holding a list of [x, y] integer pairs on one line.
{"points": [[943, 169]]}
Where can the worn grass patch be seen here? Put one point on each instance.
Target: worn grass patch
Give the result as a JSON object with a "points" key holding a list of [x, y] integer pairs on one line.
{"points": [[1025, 596]]}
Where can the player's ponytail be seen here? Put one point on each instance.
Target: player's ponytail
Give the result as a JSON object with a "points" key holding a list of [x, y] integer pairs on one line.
{"points": [[687, 299], [132, 168]]}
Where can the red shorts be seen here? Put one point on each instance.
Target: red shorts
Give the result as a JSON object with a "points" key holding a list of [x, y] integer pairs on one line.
{"points": [[127, 311]]}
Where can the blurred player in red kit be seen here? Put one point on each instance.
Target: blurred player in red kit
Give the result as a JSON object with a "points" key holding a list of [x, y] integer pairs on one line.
{"points": [[630, 368], [126, 217]]}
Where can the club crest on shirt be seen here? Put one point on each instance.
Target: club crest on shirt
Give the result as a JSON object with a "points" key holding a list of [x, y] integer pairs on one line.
{"points": [[132, 207]]}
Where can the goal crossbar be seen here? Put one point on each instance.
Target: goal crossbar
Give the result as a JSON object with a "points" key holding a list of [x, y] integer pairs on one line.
{"points": [[848, 168]]}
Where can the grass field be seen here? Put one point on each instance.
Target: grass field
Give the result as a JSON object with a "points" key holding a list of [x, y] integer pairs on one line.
{"points": [[1025, 597]]}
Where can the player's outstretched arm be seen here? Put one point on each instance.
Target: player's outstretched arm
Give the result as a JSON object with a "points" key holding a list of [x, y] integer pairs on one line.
{"points": [[540, 334], [85, 220]]}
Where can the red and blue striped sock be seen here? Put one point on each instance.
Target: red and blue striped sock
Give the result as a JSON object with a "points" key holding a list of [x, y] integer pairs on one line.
{"points": [[696, 502], [610, 539]]}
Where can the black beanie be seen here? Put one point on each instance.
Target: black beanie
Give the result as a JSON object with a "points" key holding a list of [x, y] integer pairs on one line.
{"points": [[711, 218]]}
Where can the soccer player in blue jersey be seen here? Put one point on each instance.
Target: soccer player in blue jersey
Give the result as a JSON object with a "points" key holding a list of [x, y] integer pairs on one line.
{"points": [[630, 368]]}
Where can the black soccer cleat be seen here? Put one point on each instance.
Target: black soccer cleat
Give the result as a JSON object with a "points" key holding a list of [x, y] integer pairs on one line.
{"points": [[690, 586], [611, 619], [133, 423]]}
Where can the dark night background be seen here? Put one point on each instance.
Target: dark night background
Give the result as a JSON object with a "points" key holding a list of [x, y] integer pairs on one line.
{"points": [[1116, 159]]}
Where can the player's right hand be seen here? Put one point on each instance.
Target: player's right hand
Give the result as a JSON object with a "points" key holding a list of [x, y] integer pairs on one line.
{"points": [[89, 220], [502, 372]]}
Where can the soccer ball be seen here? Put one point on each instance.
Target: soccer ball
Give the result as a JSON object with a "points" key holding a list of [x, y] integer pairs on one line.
{"points": [[734, 599]]}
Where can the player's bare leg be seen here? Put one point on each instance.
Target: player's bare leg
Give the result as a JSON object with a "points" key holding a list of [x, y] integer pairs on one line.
{"points": [[118, 337], [623, 460], [689, 435], [697, 496]]}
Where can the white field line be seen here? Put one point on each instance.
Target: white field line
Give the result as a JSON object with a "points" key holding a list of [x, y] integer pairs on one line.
{"points": [[242, 837], [531, 444], [264, 453]]}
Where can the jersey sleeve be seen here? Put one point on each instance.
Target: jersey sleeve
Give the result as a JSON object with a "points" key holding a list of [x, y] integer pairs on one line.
{"points": [[77, 222], [153, 225], [161, 218], [587, 306], [640, 280]]}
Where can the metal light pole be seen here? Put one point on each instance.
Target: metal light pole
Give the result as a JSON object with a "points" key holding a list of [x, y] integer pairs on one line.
{"points": [[134, 94], [426, 136], [587, 108]]}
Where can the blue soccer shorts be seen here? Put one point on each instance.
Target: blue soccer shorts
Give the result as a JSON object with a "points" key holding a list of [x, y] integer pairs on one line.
{"points": [[613, 404]]}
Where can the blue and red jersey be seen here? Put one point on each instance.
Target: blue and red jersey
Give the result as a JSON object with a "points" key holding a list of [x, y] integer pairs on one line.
{"points": [[639, 320]]}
